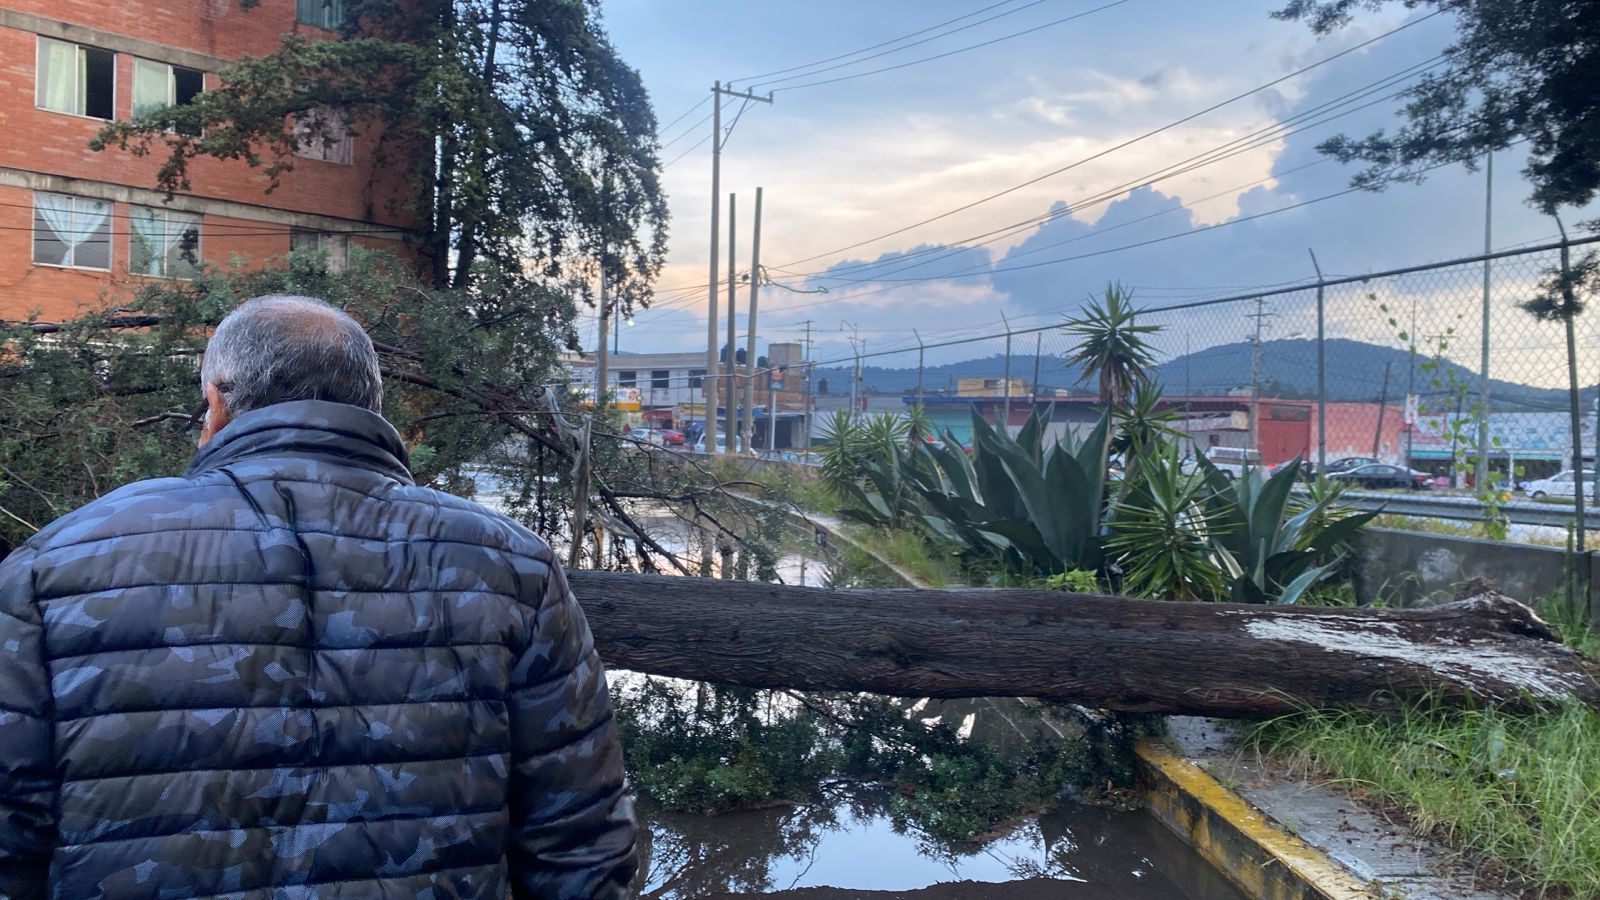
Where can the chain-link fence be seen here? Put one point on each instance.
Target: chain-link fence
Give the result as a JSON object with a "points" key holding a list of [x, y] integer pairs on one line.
{"points": [[1389, 366]]}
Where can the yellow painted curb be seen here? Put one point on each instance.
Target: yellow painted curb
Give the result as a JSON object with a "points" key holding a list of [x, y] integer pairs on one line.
{"points": [[1255, 853]]}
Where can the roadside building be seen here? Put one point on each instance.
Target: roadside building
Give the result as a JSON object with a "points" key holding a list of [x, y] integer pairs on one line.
{"points": [[82, 230]]}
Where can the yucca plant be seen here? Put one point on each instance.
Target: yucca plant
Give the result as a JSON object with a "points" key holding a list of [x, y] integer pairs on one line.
{"points": [[844, 447], [1161, 532], [1112, 349]]}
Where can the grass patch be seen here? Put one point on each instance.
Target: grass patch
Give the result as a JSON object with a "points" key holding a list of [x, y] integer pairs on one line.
{"points": [[1520, 791], [907, 550]]}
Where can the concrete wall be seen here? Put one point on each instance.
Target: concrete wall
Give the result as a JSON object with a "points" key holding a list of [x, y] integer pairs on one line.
{"points": [[1414, 568]]}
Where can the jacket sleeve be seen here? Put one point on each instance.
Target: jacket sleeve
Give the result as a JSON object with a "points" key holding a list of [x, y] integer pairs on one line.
{"points": [[27, 772], [572, 824]]}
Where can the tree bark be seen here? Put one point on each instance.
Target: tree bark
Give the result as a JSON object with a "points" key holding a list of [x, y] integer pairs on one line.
{"points": [[1098, 651]]}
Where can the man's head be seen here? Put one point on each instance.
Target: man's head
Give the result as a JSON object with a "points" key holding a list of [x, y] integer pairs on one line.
{"points": [[281, 348]]}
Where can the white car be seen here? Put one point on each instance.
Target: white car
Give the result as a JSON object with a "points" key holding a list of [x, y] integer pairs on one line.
{"points": [[1560, 485], [1230, 461]]}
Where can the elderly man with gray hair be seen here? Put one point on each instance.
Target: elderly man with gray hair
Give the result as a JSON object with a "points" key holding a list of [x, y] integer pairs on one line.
{"points": [[293, 673]]}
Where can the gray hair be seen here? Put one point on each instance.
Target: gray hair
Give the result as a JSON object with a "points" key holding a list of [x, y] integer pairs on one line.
{"points": [[280, 348]]}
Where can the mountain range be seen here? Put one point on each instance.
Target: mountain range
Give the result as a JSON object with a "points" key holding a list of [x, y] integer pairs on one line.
{"points": [[1355, 372]]}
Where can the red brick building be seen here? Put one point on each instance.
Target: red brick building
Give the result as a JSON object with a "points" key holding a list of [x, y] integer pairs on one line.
{"points": [[81, 229]]}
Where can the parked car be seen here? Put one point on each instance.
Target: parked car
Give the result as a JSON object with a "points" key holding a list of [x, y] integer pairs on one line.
{"points": [[1562, 484], [647, 435], [1345, 464], [1230, 461], [672, 438], [1382, 475]]}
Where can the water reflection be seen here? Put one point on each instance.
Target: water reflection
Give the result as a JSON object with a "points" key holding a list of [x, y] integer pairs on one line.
{"points": [[853, 842]]}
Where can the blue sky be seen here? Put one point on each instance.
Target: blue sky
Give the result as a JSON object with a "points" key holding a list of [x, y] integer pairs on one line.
{"points": [[843, 163]]}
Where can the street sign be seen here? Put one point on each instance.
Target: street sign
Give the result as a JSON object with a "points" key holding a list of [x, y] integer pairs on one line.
{"points": [[1411, 409]]}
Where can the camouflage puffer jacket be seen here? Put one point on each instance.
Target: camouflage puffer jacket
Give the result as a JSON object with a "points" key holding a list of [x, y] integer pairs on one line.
{"points": [[292, 673]]}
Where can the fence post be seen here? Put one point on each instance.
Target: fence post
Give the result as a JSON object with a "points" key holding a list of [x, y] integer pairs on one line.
{"points": [[1322, 370], [1005, 422]]}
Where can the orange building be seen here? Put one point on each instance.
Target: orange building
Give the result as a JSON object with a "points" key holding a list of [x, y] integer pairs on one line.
{"points": [[81, 229]]}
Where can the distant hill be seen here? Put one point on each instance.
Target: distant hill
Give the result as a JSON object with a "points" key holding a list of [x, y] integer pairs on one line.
{"points": [[1288, 369]]}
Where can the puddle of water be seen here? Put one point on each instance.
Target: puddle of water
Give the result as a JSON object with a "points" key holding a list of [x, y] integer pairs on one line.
{"points": [[854, 845]]}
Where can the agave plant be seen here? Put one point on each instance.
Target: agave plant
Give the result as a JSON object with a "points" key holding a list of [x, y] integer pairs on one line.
{"points": [[1035, 507], [1271, 551]]}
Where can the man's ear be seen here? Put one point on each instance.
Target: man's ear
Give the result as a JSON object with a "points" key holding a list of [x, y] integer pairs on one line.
{"points": [[216, 414]]}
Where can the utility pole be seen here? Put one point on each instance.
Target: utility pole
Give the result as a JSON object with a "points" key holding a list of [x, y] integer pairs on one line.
{"points": [[1383, 406], [601, 363], [730, 400], [920, 350], [1481, 472], [750, 342], [805, 421], [1260, 315], [710, 381], [855, 373]]}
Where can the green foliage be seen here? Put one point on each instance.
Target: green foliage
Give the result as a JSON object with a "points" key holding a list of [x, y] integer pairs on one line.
{"points": [[528, 145], [1521, 791], [1074, 581], [1163, 532], [844, 446], [710, 748], [1035, 508], [90, 405], [1517, 70], [1270, 551], [1111, 347]]}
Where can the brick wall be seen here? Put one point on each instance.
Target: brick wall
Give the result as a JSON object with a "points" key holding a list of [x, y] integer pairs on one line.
{"points": [[40, 141]]}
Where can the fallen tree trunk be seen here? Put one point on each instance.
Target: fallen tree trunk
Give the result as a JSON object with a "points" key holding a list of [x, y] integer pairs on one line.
{"points": [[1099, 651]]}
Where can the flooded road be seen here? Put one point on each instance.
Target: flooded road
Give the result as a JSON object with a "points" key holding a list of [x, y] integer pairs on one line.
{"points": [[854, 845], [857, 842]]}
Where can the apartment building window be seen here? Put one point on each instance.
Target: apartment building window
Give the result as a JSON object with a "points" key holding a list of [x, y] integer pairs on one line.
{"points": [[158, 84], [75, 79], [329, 14], [335, 248], [660, 379], [324, 135], [71, 231], [163, 242], [627, 379], [697, 379]]}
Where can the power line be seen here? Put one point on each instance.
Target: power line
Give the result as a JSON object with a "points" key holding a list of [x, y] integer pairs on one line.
{"points": [[949, 53], [1009, 12], [752, 78], [1261, 137], [682, 116], [1120, 146]]}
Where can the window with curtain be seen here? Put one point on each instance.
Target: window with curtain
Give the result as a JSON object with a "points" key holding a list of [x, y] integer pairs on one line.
{"points": [[324, 135], [71, 231], [327, 14], [163, 242], [72, 78], [335, 248], [628, 379], [158, 84]]}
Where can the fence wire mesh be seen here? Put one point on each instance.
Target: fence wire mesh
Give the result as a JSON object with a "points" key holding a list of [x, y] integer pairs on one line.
{"points": [[1390, 366]]}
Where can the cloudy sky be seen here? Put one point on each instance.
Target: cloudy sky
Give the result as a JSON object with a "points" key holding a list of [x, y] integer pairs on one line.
{"points": [[850, 168]]}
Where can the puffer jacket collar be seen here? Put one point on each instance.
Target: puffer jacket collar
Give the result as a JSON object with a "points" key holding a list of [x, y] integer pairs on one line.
{"points": [[335, 432]]}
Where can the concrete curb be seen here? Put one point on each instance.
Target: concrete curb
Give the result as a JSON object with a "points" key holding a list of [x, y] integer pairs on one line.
{"points": [[1261, 858]]}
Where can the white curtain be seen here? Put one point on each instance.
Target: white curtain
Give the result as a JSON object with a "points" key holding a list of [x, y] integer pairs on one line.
{"points": [[74, 221], [58, 74], [151, 87]]}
